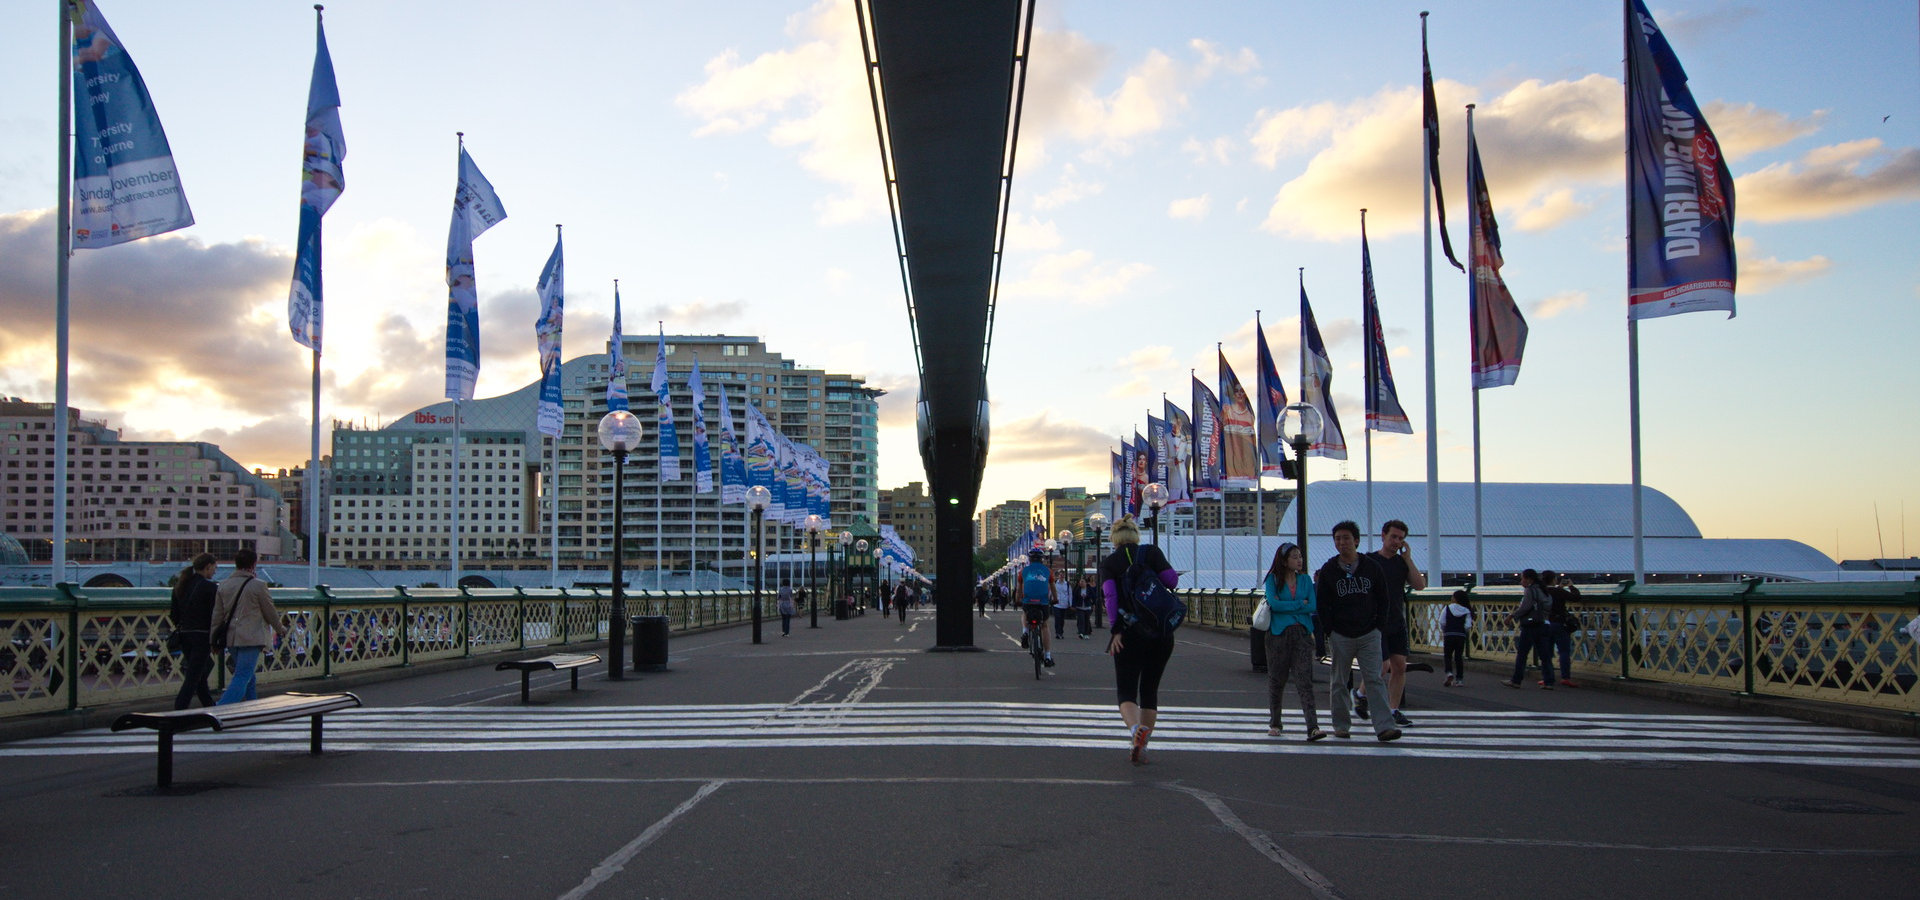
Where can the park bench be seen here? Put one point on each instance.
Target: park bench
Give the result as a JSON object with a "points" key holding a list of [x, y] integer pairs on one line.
{"points": [[556, 662], [235, 715]]}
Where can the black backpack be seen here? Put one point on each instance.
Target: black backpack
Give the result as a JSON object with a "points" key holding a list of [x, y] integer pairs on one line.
{"points": [[1148, 608]]}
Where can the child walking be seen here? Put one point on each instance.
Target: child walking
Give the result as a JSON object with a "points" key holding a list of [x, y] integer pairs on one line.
{"points": [[1453, 632]]}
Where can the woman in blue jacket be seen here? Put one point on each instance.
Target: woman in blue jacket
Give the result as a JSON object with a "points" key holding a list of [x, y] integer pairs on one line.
{"points": [[1290, 600]]}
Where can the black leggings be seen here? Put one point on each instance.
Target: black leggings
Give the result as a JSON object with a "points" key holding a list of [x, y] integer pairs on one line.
{"points": [[1456, 655], [1138, 667]]}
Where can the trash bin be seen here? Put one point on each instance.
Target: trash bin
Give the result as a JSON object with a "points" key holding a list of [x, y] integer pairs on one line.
{"points": [[649, 643], [840, 610], [1258, 648]]}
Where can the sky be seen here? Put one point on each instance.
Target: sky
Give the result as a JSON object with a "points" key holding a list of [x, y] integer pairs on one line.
{"points": [[1180, 166]]}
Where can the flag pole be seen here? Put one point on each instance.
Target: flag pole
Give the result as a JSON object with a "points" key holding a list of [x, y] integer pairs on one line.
{"points": [[659, 483], [1220, 427], [1633, 324], [1479, 537], [453, 558], [1433, 421], [1259, 465], [62, 233], [1372, 388]]}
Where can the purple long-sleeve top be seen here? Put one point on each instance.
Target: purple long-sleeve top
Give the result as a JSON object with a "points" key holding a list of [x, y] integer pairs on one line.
{"points": [[1116, 566]]}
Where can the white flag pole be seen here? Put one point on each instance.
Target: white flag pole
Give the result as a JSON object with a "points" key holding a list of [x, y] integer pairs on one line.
{"points": [[1633, 333], [63, 232], [1433, 421], [1479, 533]]}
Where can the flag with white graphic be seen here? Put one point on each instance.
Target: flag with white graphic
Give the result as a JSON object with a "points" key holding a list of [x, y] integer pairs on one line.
{"points": [[1383, 402], [1679, 192], [1239, 435], [702, 460], [1207, 464], [548, 417], [1272, 399], [1179, 456], [125, 185], [616, 361], [476, 208], [663, 396], [733, 464], [321, 181], [1316, 385]]}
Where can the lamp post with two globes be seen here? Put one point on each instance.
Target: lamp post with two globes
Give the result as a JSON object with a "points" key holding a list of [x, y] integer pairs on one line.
{"points": [[619, 433], [1097, 523]]}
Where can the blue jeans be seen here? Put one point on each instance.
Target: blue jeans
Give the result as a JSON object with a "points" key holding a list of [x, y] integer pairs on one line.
{"points": [[1563, 645], [1531, 639], [245, 661]]}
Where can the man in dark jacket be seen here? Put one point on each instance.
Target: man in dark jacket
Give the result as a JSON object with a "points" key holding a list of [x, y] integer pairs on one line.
{"points": [[1351, 592]]}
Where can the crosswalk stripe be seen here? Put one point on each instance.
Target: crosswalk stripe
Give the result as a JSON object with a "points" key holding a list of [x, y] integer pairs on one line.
{"points": [[1470, 734]]}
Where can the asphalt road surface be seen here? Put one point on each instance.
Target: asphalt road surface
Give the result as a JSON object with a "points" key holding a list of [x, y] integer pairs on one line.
{"points": [[850, 762]]}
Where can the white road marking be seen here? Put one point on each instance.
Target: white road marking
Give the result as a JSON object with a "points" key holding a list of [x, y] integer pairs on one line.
{"points": [[1315, 883], [1517, 735], [612, 865]]}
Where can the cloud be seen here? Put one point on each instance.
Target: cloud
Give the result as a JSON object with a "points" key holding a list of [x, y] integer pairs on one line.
{"points": [[1713, 24], [1077, 276], [1194, 208], [1043, 438], [693, 313], [1218, 151], [1759, 275], [1829, 181], [1540, 142], [1563, 302], [812, 96], [1067, 97], [1068, 190], [166, 318], [1027, 233]]}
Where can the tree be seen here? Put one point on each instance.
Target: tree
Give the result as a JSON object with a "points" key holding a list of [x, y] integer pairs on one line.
{"points": [[991, 556]]}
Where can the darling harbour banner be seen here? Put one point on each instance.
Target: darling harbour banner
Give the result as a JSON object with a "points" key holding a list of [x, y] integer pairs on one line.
{"points": [[125, 185]]}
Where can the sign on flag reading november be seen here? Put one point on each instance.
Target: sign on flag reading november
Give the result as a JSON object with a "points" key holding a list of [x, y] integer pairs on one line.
{"points": [[669, 438], [476, 208], [702, 460], [1679, 192], [125, 185]]}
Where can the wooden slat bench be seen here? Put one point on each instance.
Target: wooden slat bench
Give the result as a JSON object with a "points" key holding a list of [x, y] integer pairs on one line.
{"points": [[235, 715], [571, 663]]}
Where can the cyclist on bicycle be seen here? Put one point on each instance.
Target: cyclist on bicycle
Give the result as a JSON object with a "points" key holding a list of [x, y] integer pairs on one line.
{"points": [[1036, 600]]}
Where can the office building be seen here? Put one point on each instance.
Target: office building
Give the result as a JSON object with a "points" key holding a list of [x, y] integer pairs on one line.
{"points": [[910, 511]]}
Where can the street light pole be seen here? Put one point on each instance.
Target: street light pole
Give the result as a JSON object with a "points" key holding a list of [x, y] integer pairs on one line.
{"points": [[840, 610], [814, 526], [1155, 495], [619, 432], [861, 545], [1097, 523], [1300, 424], [758, 499]]}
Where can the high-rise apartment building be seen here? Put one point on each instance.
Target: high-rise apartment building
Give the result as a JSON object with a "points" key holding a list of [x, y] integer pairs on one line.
{"points": [[910, 511], [1061, 509], [514, 479], [129, 499], [1004, 521]]}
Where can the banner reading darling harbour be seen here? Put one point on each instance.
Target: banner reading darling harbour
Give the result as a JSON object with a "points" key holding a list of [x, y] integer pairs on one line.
{"points": [[125, 185]]}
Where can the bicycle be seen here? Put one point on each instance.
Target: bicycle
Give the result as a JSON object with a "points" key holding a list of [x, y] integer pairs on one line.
{"points": [[1036, 644]]}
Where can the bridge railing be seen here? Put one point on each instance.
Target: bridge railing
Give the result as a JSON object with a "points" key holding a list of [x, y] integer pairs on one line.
{"points": [[1835, 642], [68, 647]]}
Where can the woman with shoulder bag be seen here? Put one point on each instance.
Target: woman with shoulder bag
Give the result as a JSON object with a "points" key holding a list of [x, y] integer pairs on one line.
{"points": [[1289, 603], [245, 609], [1138, 660], [192, 615]]}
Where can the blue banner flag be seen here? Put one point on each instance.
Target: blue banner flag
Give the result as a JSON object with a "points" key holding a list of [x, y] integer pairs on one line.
{"points": [[1499, 331], [476, 208], [1129, 463], [321, 181], [1679, 192], [1142, 459], [663, 396], [548, 417], [1316, 384], [733, 465], [1383, 402], [1239, 435], [125, 185], [1206, 442], [702, 459], [1272, 399], [760, 451], [616, 359], [1115, 466], [1157, 455], [1179, 455]]}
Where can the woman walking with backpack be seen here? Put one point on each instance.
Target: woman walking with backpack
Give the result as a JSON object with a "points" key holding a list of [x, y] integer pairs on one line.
{"points": [[1290, 605], [1139, 659]]}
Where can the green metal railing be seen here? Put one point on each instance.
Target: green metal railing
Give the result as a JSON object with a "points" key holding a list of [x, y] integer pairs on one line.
{"points": [[1833, 642], [68, 647]]}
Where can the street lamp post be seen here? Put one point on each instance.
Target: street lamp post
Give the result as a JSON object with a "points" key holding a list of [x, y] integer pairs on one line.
{"points": [[1300, 425], [1155, 495], [861, 546], [1097, 523], [814, 526], [619, 433], [758, 499], [840, 607]]}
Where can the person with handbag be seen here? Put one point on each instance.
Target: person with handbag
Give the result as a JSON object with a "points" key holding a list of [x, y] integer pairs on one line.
{"points": [[192, 617], [1288, 610], [1139, 660], [248, 624]]}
